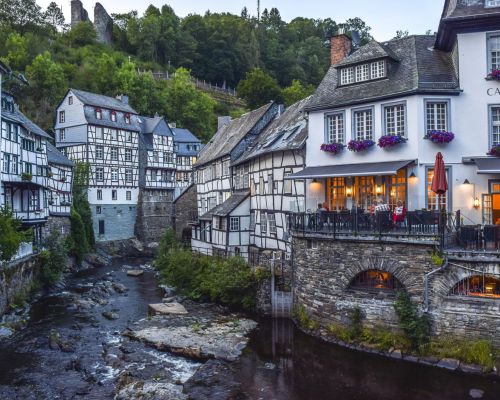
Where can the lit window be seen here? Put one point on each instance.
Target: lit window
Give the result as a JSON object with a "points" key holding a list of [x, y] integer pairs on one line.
{"points": [[478, 286], [62, 116], [234, 224], [395, 120], [335, 128], [436, 116], [114, 174], [374, 279], [98, 113], [363, 125]]}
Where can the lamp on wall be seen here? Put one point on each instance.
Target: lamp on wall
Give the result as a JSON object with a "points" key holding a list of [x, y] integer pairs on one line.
{"points": [[477, 203], [315, 180], [378, 189], [466, 182], [348, 191], [412, 175]]}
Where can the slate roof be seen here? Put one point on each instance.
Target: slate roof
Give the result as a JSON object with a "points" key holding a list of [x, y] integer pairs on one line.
{"points": [[20, 118], [54, 156], [286, 132], [229, 135], [155, 125], [466, 8], [226, 208], [182, 135], [420, 69], [371, 51], [120, 123], [100, 100]]}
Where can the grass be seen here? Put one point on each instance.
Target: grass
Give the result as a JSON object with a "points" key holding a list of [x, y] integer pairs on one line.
{"points": [[304, 320]]}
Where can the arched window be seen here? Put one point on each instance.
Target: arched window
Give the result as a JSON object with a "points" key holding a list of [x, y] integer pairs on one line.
{"points": [[374, 279], [478, 286]]}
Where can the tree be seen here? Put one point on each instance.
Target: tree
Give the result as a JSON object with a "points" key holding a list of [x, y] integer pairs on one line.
{"points": [[259, 88], [17, 51], [82, 34], [20, 14], [54, 258], [11, 234], [296, 92], [54, 16], [81, 208]]}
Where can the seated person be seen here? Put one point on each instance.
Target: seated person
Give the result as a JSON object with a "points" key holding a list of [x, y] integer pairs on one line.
{"points": [[399, 214], [381, 206]]}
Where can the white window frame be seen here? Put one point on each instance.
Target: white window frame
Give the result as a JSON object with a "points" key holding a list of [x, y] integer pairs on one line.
{"points": [[128, 155], [335, 127], [99, 174], [128, 195], [99, 152], [377, 69], [493, 46], [271, 219], [347, 76], [62, 116], [114, 174], [362, 72], [395, 119], [62, 134], [129, 175], [494, 124], [434, 120], [99, 194], [363, 120], [234, 224], [113, 153], [492, 3], [263, 222]]}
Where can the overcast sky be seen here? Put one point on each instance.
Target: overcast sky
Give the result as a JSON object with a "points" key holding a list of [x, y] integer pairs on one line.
{"points": [[384, 16]]}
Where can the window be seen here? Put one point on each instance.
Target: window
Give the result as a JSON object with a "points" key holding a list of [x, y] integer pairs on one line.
{"points": [[6, 163], [362, 72], [495, 125], [129, 137], [128, 155], [270, 184], [492, 3], [101, 227], [252, 220], [478, 286], [154, 175], [335, 128], [156, 156], [114, 174], [114, 195], [99, 152], [28, 145], [363, 125], [128, 176], [374, 279], [263, 222], [395, 121], [378, 69], [346, 76], [114, 134], [98, 210], [127, 118], [62, 134], [436, 116], [234, 224], [99, 174], [98, 113], [167, 158], [70, 100], [128, 195], [113, 116], [287, 183], [99, 194], [225, 168], [272, 223], [28, 168], [62, 117], [114, 153]]}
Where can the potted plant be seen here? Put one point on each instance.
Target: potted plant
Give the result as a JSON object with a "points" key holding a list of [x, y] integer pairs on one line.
{"points": [[26, 177], [495, 150], [360, 145], [494, 75], [388, 141], [333, 148], [440, 136]]}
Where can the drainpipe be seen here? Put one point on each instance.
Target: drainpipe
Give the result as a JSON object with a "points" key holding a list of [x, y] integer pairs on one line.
{"points": [[426, 283]]}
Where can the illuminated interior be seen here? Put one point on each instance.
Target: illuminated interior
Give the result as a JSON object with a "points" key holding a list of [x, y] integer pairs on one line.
{"points": [[478, 286], [375, 279]]}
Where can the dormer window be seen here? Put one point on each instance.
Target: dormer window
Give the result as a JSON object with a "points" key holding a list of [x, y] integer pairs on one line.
{"points": [[127, 118], [98, 113], [492, 3], [363, 72], [113, 116]]}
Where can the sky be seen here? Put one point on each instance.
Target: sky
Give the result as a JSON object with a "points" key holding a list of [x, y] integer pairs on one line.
{"points": [[384, 16]]}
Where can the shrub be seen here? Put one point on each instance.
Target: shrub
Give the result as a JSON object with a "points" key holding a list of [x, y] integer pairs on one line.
{"points": [[304, 320], [340, 332], [11, 234], [77, 241], [416, 327], [356, 324], [53, 259]]}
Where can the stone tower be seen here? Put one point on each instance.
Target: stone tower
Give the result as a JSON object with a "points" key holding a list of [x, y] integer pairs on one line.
{"points": [[103, 24], [78, 13]]}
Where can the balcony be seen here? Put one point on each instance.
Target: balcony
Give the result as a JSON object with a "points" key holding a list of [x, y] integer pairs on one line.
{"points": [[32, 216]]}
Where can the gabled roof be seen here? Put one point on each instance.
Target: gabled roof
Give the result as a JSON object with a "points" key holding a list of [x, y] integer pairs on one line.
{"points": [[226, 208], [465, 16], [182, 135], [421, 69], [100, 100], [371, 51], [17, 116], [287, 131], [54, 156], [156, 126], [229, 135]]}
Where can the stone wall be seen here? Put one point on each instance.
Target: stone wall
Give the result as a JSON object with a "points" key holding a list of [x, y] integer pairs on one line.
{"points": [[324, 269], [61, 224], [154, 214], [119, 221], [185, 207], [16, 280]]}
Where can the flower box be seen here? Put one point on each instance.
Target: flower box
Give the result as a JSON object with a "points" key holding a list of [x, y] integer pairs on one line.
{"points": [[333, 148], [26, 177], [494, 75], [360, 145], [387, 141], [495, 151], [440, 136]]}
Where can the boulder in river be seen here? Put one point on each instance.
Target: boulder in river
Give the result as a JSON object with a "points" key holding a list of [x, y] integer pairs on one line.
{"points": [[110, 315], [150, 391], [167, 308], [135, 272]]}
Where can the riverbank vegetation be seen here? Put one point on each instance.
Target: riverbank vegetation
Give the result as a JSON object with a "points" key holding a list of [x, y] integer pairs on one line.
{"points": [[229, 281], [11, 235]]}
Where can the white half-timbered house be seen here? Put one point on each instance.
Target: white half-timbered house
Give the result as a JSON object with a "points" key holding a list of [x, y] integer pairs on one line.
{"points": [[214, 183], [60, 182], [186, 147], [24, 167], [104, 132], [278, 152]]}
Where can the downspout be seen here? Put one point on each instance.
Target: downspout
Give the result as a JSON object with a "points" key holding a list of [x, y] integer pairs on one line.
{"points": [[426, 283]]}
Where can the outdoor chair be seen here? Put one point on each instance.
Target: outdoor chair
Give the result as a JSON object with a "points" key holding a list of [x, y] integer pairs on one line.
{"points": [[469, 237]]}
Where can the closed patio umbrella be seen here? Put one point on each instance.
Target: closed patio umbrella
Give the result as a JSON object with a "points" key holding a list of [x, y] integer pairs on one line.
{"points": [[439, 183]]}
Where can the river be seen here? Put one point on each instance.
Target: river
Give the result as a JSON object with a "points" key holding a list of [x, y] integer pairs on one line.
{"points": [[280, 363]]}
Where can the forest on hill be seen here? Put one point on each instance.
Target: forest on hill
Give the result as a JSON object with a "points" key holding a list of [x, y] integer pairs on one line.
{"points": [[265, 59]]}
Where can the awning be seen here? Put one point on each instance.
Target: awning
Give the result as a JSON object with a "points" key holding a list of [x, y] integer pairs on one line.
{"points": [[345, 170], [488, 165]]}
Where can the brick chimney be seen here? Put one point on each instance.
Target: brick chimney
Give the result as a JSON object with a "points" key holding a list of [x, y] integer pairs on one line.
{"points": [[340, 46]]}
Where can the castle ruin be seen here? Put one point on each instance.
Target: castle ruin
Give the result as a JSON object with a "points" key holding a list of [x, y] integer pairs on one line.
{"points": [[103, 23]]}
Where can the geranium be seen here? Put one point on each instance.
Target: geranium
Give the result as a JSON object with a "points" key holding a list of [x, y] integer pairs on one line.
{"points": [[360, 145], [495, 74], [440, 137], [495, 151], [390, 140], [333, 148]]}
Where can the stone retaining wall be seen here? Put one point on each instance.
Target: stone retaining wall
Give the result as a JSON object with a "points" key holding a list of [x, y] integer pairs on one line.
{"points": [[154, 214], [323, 270]]}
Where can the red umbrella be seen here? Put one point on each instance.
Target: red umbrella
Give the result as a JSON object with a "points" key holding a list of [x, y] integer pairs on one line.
{"points": [[439, 183]]}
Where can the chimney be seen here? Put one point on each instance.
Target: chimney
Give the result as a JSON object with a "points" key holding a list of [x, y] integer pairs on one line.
{"points": [[340, 46], [221, 121], [123, 98]]}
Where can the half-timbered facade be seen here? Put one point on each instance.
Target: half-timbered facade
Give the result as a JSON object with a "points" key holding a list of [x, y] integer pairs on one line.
{"points": [[24, 166], [186, 146], [104, 132], [213, 171], [60, 182], [278, 152]]}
